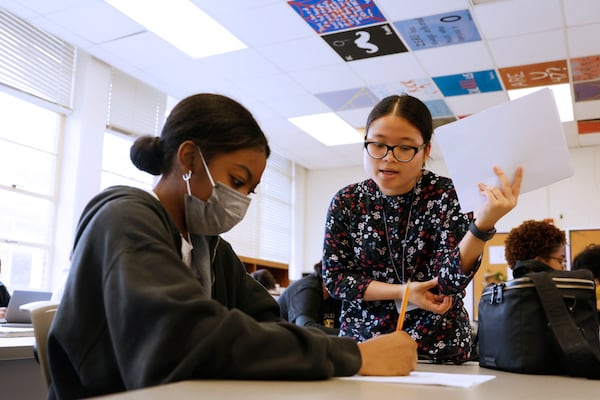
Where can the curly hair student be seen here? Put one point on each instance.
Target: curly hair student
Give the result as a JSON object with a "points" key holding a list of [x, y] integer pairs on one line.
{"points": [[535, 246]]}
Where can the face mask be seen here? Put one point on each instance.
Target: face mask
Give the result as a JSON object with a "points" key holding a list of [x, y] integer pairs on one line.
{"points": [[222, 211]]}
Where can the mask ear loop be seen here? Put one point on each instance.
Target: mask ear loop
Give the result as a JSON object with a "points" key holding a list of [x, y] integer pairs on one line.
{"points": [[186, 177], [212, 182]]}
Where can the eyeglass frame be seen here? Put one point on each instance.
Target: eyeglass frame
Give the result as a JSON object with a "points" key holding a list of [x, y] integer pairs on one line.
{"points": [[389, 148], [561, 260]]}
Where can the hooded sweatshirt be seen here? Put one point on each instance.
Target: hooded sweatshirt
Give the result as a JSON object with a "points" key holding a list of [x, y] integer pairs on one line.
{"points": [[132, 314]]}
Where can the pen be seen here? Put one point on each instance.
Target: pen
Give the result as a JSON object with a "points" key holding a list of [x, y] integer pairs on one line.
{"points": [[403, 307]]}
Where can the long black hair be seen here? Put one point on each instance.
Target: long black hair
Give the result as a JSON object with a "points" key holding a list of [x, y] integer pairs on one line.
{"points": [[216, 123], [407, 107]]}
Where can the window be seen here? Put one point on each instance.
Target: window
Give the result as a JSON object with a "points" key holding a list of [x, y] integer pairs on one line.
{"points": [[117, 168], [134, 109], [266, 231], [29, 137]]}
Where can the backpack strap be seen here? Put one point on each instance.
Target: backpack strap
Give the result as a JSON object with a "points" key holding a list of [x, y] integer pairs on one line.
{"points": [[582, 359]]}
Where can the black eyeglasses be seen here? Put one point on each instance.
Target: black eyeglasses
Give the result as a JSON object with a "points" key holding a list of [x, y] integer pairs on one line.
{"points": [[401, 152]]}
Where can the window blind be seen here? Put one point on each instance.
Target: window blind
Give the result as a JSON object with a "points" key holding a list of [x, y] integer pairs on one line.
{"points": [[134, 108], [35, 62], [266, 231]]}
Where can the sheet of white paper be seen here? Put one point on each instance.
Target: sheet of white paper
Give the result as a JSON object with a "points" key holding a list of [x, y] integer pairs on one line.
{"points": [[496, 255], [429, 378], [6, 331], [523, 132]]}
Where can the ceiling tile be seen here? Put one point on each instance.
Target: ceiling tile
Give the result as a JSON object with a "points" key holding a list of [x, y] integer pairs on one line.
{"points": [[582, 12], [306, 53], [328, 79], [83, 19], [529, 48], [395, 10], [498, 19], [583, 40], [298, 105], [259, 26], [277, 86], [471, 104], [390, 68], [467, 57]]}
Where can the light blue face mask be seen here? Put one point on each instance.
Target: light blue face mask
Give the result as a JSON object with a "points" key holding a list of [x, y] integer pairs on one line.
{"points": [[224, 209]]}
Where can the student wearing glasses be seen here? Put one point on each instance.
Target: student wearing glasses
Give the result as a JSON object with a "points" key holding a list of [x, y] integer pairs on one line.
{"points": [[404, 224], [155, 295], [535, 246]]}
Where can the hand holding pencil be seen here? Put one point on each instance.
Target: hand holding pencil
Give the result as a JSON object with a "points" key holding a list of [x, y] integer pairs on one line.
{"points": [[403, 307], [423, 298]]}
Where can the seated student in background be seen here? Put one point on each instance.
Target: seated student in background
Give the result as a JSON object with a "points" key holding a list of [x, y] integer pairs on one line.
{"points": [[306, 302], [4, 296], [535, 246], [589, 258], [265, 278], [154, 294], [404, 224]]}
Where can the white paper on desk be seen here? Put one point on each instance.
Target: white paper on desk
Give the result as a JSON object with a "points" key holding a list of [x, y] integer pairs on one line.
{"points": [[6, 331], [523, 132], [429, 378]]}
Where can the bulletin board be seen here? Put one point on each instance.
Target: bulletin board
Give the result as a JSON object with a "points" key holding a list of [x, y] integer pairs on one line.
{"points": [[493, 263], [579, 239]]}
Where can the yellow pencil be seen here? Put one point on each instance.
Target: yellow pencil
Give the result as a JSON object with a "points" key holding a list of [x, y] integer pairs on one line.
{"points": [[403, 307]]}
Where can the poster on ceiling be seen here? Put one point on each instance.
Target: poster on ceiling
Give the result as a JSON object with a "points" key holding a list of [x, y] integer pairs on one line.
{"points": [[367, 42], [438, 30], [533, 75], [326, 16], [468, 83]]}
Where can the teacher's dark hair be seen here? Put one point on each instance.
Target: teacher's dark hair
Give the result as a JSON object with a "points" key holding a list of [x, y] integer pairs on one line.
{"points": [[407, 107], [216, 123]]}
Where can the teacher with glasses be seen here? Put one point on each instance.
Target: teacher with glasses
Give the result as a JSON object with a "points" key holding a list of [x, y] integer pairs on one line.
{"points": [[403, 224]]}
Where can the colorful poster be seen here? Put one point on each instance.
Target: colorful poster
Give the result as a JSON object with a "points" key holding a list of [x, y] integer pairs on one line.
{"points": [[532, 75], [424, 89], [588, 126], [585, 68], [334, 15], [348, 99], [438, 30], [438, 108], [371, 41], [468, 83], [586, 91]]}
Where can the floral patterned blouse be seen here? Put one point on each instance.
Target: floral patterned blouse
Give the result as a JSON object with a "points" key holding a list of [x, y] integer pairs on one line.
{"points": [[364, 235]]}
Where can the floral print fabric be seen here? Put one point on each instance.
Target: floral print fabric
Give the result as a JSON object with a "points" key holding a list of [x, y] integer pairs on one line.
{"points": [[370, 236]]}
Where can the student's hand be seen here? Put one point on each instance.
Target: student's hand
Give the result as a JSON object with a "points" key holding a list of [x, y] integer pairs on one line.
{"points": [[390, 354], [499, 199], [2, 312], [421, 296]]}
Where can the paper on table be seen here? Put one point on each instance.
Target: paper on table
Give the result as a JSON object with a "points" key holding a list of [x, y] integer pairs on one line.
{"points": [[523, 132], [429, 378], [6, 331]]}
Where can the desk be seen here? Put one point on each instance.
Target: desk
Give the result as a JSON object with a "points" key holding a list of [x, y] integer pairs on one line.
{"points": [[504, 386], [20, 375]]}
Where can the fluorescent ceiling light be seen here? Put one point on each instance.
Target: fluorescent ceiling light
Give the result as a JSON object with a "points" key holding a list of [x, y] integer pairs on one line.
{"points": [[182, 24], [328, 129], [562, 96]]}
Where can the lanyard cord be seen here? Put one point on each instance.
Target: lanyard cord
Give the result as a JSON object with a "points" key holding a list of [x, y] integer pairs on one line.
{"points": [[387, 236]]}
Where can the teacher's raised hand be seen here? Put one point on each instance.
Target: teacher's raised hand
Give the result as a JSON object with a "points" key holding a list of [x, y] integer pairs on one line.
{"points": [[499, 199]]}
